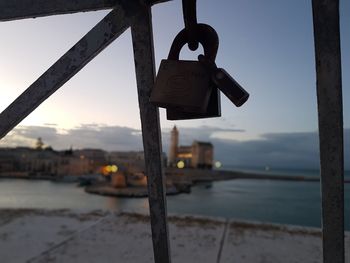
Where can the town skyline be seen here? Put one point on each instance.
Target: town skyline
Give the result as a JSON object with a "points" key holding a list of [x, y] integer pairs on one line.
{"points": [[276, 150]]}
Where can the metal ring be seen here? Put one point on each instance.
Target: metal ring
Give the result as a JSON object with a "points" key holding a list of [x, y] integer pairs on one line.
{"points": [[206, 35]]}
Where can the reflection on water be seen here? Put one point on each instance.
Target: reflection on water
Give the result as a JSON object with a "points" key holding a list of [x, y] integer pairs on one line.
{"points": [[113, 203], [53, 195], [259, 200]]}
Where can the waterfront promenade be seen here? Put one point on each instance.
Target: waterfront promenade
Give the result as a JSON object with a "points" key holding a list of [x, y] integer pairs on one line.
{"points": [[66, 236]]}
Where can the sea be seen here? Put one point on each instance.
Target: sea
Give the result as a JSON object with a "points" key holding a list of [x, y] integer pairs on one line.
{"points": [[268, 201]]}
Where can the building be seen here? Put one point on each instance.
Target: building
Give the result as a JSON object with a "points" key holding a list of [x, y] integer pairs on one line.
{"points": [[27, 161], [197, 155], [131, 161], [96, 159]]}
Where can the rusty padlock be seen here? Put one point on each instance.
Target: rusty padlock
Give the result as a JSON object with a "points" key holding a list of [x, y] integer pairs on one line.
{"points": [[185, 86], [213, 109], [209, 39]]}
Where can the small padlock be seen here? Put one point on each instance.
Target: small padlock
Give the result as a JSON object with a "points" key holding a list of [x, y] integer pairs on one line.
{"points": [[224, 82], [186, 86], [231, 88]]}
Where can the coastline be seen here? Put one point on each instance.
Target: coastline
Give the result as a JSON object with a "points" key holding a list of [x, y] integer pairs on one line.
{"points": [[195, 175], [199, 175], [181, 180], [132, 192], [177, 181]]}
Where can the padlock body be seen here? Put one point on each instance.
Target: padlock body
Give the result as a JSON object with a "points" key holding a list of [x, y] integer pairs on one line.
{"points": [[182, 85], [213, 109]]}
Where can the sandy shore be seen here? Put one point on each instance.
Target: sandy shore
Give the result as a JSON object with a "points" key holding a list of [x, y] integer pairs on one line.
{"points": [[97, 236]]}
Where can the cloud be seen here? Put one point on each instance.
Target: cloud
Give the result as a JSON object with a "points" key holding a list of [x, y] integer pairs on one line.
{"points": [[201, 133], [280, 150], [277, 150], [106, 137], [292, 151], [109, 138]]}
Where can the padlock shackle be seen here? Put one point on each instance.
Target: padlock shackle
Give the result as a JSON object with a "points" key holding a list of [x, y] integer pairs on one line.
{"points": [[206, 35]]}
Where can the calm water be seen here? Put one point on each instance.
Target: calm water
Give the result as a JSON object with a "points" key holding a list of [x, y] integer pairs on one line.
{"points": [[295, 203]]}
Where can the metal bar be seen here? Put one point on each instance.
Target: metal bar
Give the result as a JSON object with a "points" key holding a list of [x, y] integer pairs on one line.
{"points": [[98, 38], [153, 2], [142, 38], [21, 9], [330, 119]]}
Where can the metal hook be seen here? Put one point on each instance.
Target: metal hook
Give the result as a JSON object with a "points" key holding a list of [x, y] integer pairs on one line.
{"points": [[190, 19]]}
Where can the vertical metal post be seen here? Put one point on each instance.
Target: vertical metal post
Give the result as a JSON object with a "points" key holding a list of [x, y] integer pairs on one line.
{"points": [[330, 118], [142, 37]]}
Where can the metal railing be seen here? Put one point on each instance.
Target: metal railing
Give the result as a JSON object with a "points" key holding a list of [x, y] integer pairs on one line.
{"points": [[330, 126], [137, 15]]}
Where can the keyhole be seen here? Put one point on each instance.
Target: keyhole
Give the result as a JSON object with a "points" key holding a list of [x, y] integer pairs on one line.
{"points": [[219, 75]]}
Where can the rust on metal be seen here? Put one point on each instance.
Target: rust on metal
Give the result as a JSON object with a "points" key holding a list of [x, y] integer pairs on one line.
{"points": [[330, 119], [113, 25], [142, 37]]}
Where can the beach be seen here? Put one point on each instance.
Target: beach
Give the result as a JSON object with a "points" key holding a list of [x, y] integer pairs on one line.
{"points": [[69, 236]]}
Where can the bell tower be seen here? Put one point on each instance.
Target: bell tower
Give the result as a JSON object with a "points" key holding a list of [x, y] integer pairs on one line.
{"points": [[174, 141]]}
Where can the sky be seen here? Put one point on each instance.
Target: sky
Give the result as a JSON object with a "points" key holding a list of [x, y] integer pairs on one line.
{"points": [[267, 46]]}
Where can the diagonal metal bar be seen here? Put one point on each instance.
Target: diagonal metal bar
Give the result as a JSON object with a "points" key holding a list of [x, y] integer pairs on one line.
{"points": [[153, 2], [20, 9], [98, 38], [330, 119], [142, 38]]}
